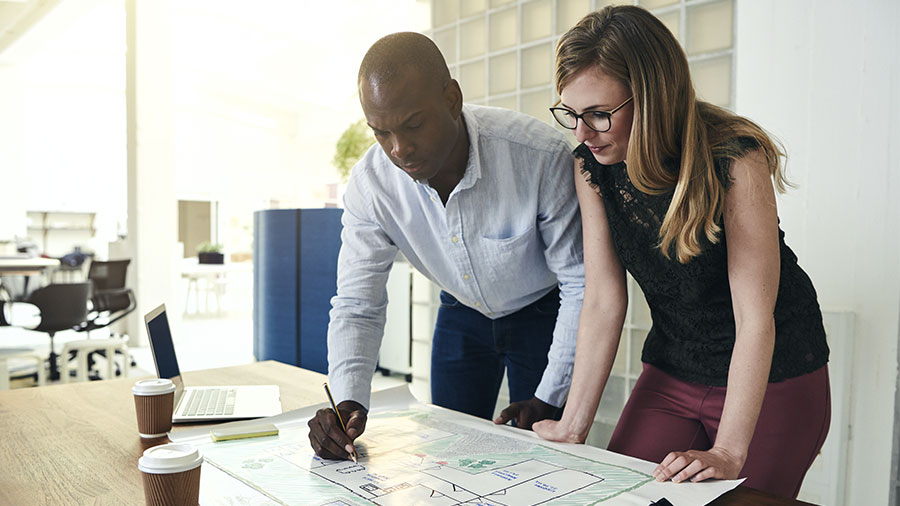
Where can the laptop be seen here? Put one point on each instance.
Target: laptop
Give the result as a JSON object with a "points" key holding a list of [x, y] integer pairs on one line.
{"points": [[200, 404]]}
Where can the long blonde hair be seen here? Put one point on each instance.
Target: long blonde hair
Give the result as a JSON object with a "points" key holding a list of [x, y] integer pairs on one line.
{"points": [[630, 44]]}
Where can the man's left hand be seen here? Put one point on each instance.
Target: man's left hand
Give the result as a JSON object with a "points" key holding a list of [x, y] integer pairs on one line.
{"points": [[525, 413]]}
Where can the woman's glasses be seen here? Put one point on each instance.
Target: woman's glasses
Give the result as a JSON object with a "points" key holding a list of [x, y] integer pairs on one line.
{"points": [[598, 121]]}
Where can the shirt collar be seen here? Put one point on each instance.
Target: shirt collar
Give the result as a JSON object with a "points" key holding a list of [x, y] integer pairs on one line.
{"points": [[473, 164]]}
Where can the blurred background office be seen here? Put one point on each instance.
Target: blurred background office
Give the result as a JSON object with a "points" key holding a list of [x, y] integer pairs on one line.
{"points": [[154, 130]]}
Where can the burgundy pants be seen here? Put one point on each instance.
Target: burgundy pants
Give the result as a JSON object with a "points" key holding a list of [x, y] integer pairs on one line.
{"points": [[666, 414]]}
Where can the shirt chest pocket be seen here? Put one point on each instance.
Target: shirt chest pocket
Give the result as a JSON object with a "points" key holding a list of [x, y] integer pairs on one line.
{"points": [[512, 258]]}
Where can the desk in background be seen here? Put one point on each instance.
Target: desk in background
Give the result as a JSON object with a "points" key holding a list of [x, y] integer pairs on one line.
{"points": [[24, 266], [78, 443]]}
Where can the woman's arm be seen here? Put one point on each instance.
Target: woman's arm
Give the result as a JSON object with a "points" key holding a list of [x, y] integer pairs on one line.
{"points": [[754, 265], [599, 325]]}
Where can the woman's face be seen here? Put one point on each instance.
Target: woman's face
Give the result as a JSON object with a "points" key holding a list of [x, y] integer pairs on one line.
{"points": [[594, 90]]}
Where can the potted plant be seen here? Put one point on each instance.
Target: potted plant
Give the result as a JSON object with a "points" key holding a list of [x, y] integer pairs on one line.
{"points": [[210, 253], [351, 146]]}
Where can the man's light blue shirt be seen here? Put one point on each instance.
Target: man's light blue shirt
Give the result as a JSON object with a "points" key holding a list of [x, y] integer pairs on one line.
{"points": [[509, 233]]}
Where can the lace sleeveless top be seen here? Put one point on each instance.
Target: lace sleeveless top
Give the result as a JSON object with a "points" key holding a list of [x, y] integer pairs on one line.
{"points": [[693, 329]]}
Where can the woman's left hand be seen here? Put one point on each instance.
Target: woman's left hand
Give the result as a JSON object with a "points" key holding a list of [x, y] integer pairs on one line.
{"points": [[697, 465]]}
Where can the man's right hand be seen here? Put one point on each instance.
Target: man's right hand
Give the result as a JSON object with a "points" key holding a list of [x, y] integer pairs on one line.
{"points": [[326, 436]]}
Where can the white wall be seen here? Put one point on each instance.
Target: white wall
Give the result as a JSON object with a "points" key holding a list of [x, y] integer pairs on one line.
{"points": [[62, 119], [824, 77]]}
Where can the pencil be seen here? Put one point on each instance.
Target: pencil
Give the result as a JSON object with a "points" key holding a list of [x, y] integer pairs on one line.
{"points": [[340, 420]]}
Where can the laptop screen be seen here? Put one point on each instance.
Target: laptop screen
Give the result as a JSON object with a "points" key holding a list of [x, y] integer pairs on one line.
{"points": [[162, 347]]}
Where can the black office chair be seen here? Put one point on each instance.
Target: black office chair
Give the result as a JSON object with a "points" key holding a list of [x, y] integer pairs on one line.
{"points": [[109, 274], [111, 300], [63, 306]]}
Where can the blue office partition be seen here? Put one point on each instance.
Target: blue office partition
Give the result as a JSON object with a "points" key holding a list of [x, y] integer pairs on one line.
{"points": [[295, 255]]}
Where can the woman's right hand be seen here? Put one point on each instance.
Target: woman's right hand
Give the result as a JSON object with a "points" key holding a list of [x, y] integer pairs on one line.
{"points": [[551, 430]]}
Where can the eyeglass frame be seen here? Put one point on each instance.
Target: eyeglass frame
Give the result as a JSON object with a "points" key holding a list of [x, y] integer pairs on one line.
{"points": [[581, 116]]}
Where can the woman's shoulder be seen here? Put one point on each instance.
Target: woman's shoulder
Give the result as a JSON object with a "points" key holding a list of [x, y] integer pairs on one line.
{"points": [[726, 153]]}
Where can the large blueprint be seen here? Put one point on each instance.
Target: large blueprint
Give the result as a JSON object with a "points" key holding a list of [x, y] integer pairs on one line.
{"points": [[424, 455]]}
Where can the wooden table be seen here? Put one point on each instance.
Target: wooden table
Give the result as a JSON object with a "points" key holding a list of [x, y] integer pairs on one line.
{"points": [[78, 443]]}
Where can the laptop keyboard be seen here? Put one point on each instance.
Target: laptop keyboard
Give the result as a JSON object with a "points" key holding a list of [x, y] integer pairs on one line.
{"points": [[210, 402]]}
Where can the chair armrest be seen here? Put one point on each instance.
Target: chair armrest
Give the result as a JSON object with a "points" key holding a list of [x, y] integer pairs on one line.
{"points": [[110, 306]]}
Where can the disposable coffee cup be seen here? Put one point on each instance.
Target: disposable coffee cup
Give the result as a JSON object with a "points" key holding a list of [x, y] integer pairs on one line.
{"points": [[153, 400], [171, 475]]}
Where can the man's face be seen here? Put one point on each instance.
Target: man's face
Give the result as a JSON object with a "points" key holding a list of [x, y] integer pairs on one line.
{"points": [[414, 120]]}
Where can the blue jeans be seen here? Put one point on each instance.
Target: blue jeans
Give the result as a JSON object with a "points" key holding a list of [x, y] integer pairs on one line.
{"points": [[470, 352]]}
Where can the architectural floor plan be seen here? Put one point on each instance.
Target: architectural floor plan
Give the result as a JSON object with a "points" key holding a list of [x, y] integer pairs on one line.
{"points": [[424, 455], [412, 457]]}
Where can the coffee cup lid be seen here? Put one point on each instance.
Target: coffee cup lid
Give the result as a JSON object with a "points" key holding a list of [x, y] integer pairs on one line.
{"points": [[170, 458], [154, 386]]}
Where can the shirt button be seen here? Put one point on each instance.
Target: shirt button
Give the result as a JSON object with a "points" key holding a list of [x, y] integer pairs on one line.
{"points": [[465, 276], [477, 304], [433, 199], [454, 239]]}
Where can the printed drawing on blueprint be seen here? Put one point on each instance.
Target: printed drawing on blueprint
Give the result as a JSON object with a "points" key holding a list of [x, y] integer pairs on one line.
{"points": [[417, 457]]}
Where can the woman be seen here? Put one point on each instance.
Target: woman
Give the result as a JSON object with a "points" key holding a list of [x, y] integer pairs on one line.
{"points": [[680, 193]]}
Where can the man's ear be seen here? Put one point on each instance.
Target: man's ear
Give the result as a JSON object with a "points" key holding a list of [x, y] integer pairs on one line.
{"points": [[453, 97]]}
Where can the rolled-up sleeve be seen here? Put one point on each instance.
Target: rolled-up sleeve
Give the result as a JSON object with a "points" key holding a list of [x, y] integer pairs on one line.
{"points": [[560, 227], [357, 312]]}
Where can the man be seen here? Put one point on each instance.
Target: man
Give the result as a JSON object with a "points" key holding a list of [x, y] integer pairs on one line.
{"points": [[482, 202]]}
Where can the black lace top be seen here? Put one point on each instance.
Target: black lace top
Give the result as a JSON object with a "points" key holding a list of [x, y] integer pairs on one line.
{"points": [[693, 329]]}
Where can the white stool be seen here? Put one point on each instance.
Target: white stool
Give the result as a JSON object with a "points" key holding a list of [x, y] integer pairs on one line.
{"points": [[85, 347], [212, 283], [8, 353]]}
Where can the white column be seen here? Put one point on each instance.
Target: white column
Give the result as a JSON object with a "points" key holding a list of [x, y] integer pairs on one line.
{"points": [[152, 210]]}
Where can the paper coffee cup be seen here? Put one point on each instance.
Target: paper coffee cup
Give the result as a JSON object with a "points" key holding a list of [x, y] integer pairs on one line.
{"points": [[153, 403], [171, 475]]}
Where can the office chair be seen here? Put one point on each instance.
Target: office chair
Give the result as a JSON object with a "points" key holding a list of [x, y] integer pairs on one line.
{"points": [[108, 275], [63, 306], [111, 301]]}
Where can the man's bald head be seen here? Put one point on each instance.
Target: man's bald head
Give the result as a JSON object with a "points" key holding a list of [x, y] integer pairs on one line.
{"points": [[415, 109], [394, 55]]}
